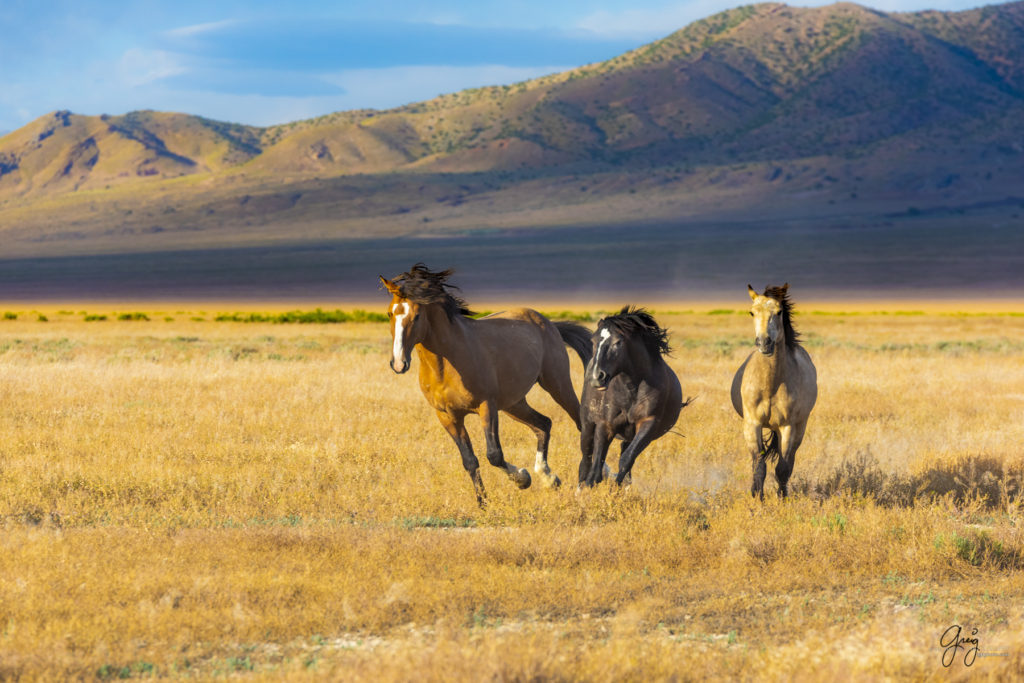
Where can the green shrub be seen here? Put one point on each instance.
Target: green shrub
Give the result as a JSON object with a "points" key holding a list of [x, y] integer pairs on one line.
{"points": [[318, 316]]}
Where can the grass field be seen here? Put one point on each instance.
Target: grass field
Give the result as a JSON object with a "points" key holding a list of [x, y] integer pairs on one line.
{"points": [[187, 498]]}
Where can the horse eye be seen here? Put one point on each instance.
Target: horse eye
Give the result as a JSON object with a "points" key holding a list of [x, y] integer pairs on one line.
{"points": [[751, 314]]}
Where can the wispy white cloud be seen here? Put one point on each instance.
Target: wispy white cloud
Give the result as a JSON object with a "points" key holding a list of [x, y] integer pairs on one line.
{"points": [[139, 66], [445, 19], [200, 29], [332, 43]]}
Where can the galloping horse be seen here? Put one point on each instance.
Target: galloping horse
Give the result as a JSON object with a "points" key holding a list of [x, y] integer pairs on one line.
{"points": [[775, 388], [629, 393], [482, 366]]}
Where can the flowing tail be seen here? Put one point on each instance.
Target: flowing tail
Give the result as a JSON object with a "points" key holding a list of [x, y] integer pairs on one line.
{"points": [[770, 448], [576, 337]]}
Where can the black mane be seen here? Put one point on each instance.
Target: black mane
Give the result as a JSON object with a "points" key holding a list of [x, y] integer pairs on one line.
{"points": [[423, 286], [634, 321], [781, 294]]}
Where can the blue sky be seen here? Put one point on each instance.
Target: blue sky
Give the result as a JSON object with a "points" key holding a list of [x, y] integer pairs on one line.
{"points": [[263, 62]]}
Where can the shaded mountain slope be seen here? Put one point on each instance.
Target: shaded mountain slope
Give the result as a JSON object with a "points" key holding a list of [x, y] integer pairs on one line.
{"points": [[754, 106]]}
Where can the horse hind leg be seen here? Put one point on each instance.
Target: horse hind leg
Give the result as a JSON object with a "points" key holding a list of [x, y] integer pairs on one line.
{"points": [[541, 426], [555, 380]]}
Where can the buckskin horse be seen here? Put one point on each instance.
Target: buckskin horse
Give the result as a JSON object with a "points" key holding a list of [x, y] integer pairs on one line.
{"points": [[774, 389], [629, 392], [483, 366]]}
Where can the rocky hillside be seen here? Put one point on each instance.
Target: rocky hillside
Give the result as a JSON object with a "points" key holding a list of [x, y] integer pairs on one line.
{"points": [[840, 98]]}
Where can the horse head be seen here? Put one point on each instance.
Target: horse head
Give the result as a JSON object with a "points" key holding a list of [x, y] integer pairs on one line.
{"points": [[406, 327], [609, 357], [769, 321], [625, 342]]}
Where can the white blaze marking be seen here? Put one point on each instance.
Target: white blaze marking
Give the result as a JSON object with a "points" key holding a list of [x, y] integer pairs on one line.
{"points": [[605, 335], [399, 323]]}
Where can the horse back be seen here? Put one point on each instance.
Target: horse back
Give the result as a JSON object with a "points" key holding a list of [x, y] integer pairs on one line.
{"points": [[512, 347], [519, 326], [526, 326]]}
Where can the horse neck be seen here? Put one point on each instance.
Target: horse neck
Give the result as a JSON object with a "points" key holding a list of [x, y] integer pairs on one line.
{"points": [[444, 339], [776, 365], [641, 360]]}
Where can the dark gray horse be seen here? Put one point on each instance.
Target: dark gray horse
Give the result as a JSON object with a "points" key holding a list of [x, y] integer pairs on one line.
{"points": [[629, 392]]}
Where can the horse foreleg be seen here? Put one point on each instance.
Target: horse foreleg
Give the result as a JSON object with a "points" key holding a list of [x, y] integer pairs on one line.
{"points": [[495, 456], [628, 479], [456, 427], [586, 450], [752, 437], [643, 436], [790, 438], [598, 453], [541, 426]]}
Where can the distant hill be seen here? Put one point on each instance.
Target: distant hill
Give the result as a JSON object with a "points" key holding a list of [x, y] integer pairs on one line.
{"points": [[764, 111]]}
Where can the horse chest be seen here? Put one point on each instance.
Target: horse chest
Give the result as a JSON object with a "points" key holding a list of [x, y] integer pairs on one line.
{"points": [[770, 405], [444, 390], [450, 399], [618, 407]]}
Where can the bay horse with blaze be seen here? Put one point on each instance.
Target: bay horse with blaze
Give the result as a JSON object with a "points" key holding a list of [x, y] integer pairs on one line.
{"points": [[483, 366]]}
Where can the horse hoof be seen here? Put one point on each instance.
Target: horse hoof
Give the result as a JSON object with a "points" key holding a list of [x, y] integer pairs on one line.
{"points": [[522, 479], [549, 478]]}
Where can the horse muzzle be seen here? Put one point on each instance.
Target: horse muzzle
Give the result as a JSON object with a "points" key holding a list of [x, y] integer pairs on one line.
{"points": [[403, 370], [599, 380], [765, 345]]}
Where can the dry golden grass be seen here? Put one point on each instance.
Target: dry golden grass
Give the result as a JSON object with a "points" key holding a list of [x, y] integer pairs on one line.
{"points": [[191, 499]]}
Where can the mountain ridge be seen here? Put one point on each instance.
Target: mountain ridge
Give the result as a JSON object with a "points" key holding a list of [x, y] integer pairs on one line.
{"points": [[757, 105]]}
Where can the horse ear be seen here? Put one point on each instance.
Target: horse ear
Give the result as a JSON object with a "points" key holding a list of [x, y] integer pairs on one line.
{"points": [[388, 285], [752, 293], [785, 288]]}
